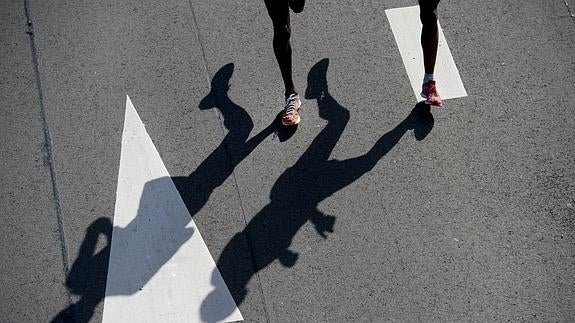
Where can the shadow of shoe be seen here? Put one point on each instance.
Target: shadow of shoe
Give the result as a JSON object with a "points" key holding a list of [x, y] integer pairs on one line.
{"points": [[282, 132], [421, 120]]}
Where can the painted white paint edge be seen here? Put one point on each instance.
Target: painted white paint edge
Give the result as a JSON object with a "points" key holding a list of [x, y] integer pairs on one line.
{"points": [[160, 269], [406, 27]]}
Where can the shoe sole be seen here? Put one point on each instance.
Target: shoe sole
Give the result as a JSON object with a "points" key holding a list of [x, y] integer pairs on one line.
{"points": [[430, 103], [292, 124], [433, 104]]}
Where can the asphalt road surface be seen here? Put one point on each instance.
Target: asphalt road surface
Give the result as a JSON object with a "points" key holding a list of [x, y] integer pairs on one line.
{"points": [[374, 209]]}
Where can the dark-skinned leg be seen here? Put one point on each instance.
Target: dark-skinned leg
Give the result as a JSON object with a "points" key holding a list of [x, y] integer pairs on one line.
{"points": [[429, 33], [279, 13], [429, 43]]}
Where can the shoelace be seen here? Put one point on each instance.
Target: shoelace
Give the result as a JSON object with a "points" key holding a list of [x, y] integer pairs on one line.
{"points": [[290, 105]]}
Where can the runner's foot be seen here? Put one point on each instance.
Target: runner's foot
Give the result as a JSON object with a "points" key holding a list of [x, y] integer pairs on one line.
{"points": [[296, 5], [290, 116], [429, 92]]}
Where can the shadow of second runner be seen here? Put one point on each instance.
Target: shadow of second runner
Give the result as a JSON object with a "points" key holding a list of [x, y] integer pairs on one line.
{"points": [[298, 191]]}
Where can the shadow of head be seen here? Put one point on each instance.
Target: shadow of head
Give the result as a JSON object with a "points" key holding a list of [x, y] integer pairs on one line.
{"points": [[215, 307], [220, 86], [317, 80], [421, 120], [88, 273], [328, 108]]}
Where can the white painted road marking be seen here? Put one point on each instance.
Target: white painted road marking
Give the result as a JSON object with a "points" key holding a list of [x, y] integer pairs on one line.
{"points": [[406, 28], [160, 269]]}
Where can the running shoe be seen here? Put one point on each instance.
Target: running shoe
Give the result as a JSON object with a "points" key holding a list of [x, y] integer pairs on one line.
{"points": [[290, 116], [429, 92], [296, 5]]}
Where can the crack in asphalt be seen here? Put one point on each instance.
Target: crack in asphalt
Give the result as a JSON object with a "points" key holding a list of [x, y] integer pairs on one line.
{"points": [[220, 117], [48, 146]]}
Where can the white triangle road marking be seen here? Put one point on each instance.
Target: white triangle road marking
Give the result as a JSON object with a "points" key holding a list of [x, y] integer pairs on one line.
{"points": [[160, 269]]}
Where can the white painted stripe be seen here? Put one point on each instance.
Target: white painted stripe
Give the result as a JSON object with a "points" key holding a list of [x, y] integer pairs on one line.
{"points": [[160, 269], [406, 28]]}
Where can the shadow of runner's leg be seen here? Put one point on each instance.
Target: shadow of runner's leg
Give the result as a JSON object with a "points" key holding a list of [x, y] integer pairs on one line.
{"points": [[347, 171], [298, 191], [269, 233], [196, 189]]}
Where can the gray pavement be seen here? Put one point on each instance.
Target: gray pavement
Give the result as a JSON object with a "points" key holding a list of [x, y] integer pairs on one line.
{"points": [[465, 215], [31, 267]]}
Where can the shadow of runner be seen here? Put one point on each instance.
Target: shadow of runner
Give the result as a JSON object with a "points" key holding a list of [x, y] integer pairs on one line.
{"points": [[158, 230], [155, 235], [219, 165], [87, 276], [298, 191]]}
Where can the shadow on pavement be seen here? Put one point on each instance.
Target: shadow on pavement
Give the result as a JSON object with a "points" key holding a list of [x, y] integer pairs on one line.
{"points": [[294, 198], [298, 191], [219, 165], [88, 275]]}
